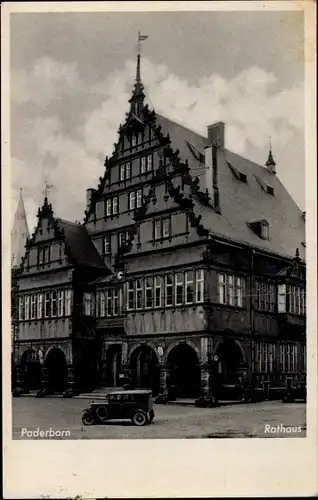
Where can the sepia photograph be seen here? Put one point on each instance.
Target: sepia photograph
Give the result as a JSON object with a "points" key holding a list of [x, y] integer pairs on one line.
{"points": [[158, 213]]}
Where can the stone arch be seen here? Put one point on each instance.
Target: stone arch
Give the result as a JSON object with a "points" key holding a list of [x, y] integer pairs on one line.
{"points": [[231, 356], [190, 343], [57, 370], [183, 359], [144, 365], [31, 368], [137, 346], [49, 349]]}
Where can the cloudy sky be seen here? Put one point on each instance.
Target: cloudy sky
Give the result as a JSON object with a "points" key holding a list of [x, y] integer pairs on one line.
{"points": [[72, 75]]}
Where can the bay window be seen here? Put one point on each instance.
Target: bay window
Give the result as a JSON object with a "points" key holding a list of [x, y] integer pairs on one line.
{"points": [[168, 290], [21, 308], [291, 299], [60, 303], [27, 307], [109, 302], [221, 288], [115, 302], [87, 299], [148, 292], [47, 304], [230, 289], [239, 291], [139, 198], [53, 303], [102, 304], [130, 295], [68, 302], [178, 289], [158, 292], [107, 244], [139, 294], [189, 287], [132, 200], [199, 285], [33, 307]]}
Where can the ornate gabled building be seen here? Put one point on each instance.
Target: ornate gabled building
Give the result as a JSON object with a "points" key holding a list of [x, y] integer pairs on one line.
{"points": [[189, 267]]}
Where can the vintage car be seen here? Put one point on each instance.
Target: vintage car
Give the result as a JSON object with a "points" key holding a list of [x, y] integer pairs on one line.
{"points": [[135, 405]]}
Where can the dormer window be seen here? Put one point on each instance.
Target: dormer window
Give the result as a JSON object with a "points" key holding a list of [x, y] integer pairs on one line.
{"points": [[270, 190], [196, 153], [239, 175], [133, 140], [261, 228], [264, 230]]}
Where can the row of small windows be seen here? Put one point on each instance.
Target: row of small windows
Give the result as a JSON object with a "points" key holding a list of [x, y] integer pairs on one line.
{"points": [[147, 293], [291, 299], [55, 303], [161, 230], [134, 201], [145, 165], [289, 357], [166, 291], [230, 289]]}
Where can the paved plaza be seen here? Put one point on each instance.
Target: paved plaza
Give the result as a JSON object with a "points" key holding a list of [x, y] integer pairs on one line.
{"points": [[171, 421]]}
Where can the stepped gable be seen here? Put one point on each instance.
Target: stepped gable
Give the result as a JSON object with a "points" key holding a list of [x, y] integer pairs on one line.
{"points": [[80, 247], [241, 203]]}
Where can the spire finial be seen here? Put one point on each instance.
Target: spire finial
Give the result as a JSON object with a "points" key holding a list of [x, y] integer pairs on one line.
{"points": [[270, 163], [138, 95], [47, 188]]}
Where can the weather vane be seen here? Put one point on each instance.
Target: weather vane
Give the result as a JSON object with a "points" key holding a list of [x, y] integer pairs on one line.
{"points": [[47, 188], [141, 38]]}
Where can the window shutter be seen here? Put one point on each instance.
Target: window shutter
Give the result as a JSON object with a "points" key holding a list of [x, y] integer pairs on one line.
{"points": [[281, 304]]}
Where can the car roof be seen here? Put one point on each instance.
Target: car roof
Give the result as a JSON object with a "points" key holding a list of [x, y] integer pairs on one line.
{"points": [[132, 391]]}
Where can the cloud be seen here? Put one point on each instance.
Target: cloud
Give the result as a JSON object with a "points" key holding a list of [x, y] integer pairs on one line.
{"points": [[72, 158], [48, 81]]}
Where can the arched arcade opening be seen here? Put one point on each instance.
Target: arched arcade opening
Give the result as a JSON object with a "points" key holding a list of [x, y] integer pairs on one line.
{"points": [[31, 369], [184, 368], [230, 359], [56, 365], [145, 369]]}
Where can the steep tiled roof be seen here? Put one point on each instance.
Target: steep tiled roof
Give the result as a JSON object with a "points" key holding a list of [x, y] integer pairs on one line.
{"points": [[81, 247], [242, 202]]}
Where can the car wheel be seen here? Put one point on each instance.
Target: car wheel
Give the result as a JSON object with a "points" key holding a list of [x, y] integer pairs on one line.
{"points": [[88, 418], [139, 418], [102, 413]]}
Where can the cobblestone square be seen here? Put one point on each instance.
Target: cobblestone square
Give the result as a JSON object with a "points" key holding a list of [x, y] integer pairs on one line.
{"points": [[171, 421]]}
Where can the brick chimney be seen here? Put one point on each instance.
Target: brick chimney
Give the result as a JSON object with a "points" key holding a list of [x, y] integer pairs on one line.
{"points": [[89, 193], [216, 134], [212, 152]]}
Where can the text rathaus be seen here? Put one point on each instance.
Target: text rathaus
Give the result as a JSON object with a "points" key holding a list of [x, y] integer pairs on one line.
{"points": [[188, 268]]}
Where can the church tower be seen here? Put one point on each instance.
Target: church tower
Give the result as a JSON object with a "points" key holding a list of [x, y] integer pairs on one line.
{"points": [[19, 234]]}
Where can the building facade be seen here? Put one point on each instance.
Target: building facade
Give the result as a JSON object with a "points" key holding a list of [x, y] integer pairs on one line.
{"points": [[189, 268]]}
